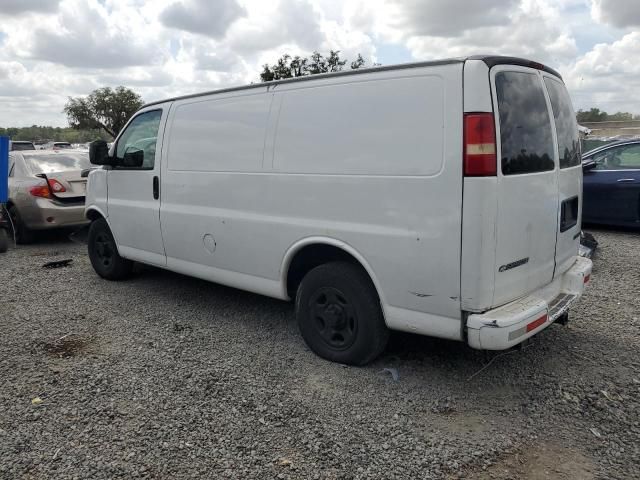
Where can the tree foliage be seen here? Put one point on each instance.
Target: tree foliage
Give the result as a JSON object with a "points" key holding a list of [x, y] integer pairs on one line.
{"points": [[596, 115], [289, 67], [44, 134], [105, 108]]}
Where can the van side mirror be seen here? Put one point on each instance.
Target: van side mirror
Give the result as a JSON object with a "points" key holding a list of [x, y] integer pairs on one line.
{"points": [[99, 153], [133, 157], [588, 165]]}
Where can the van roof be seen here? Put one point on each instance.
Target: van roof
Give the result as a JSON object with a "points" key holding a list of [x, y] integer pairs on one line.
{"points": [[490, 60]]}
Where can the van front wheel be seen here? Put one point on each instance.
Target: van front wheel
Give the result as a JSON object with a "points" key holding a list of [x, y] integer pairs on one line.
{"points": [[339, 314], [103, 253]]}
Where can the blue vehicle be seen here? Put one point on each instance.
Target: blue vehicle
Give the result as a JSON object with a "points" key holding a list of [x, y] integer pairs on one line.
{"points": [[612, 184]]}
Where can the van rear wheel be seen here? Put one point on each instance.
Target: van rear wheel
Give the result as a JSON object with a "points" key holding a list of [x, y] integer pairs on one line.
{"points": [[103, 253], [339, 314]]}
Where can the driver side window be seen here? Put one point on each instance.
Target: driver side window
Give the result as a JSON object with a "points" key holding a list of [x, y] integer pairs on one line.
{"points": [[624, 157], [141, 136]]}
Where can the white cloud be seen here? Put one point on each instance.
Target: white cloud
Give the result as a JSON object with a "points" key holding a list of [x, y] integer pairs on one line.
{"points": [[608, 76], [618, 13], [449, 18], [52, 49], [18, 7], [531, 29], [85, 34], [206, 17], [268, 26]]}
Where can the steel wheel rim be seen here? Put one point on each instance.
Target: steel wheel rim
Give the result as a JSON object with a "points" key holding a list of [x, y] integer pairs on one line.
{"points": [[333, 318]]}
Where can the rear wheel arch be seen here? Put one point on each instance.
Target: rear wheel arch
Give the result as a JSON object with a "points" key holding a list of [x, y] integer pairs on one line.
{"points": [[309, 253], [94, 214]]}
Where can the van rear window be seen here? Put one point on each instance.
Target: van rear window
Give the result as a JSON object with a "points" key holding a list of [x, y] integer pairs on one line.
{"points": [[525, 128], [566, 125]]}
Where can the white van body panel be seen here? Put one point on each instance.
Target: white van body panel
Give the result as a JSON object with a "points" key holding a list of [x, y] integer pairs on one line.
{"points": [[479, 207], [96, 198], [369, 163], [476, 86], [134, 214], [404, 218], [478, 243]]}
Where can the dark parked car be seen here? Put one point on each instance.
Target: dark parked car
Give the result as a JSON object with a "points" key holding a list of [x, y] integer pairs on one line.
{"points": [[612, 184]]}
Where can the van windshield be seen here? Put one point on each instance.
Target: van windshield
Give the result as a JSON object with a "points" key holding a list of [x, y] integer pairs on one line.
{"points": [[566, 125], [525, 130]]}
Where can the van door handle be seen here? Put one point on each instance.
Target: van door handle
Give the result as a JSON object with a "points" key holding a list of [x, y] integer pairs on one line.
{"points": [[156, 187], [626, 180]]}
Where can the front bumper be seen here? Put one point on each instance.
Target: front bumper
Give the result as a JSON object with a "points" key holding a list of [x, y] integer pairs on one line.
{"points": [[511, 324], [45, 213]]}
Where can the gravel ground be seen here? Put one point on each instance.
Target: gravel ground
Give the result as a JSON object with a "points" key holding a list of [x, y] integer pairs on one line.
{"points": [[164, 376]]}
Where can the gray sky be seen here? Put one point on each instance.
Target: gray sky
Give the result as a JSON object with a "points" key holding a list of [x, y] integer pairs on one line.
{"points": [[52, 49]]}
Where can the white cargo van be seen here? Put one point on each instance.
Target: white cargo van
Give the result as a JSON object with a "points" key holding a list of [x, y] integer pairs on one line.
{"points": [[441, 198]]}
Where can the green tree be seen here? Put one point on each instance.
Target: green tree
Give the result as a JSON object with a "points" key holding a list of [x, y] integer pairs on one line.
{"points": [[288, 67], [105, 108], [593, 115], [621, 116], [334, 64], [317, 64], [282, 68], [596, 115], [298, 66], [44, 134], [267, 74], [358, 63]]}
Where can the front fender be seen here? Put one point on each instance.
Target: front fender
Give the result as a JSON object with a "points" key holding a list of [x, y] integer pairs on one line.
{"points": [[97, 193]]}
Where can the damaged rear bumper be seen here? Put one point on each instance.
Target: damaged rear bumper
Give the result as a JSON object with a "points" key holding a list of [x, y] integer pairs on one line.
{"points": [[511, 324]]}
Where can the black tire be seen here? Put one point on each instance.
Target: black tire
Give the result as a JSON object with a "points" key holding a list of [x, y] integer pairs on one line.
{"points": [[4, 240], [103, 253], [22, 233], [339, 314]]}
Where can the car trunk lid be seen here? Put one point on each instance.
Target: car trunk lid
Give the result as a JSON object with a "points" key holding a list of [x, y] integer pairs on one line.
{"points": [[74, 185], [63, 170]]}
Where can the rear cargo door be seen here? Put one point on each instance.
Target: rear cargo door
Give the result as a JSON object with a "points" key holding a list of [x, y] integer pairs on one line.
{"points": [[569, 173], [527, 183]]}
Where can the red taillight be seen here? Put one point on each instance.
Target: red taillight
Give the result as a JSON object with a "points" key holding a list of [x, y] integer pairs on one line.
{"points": [[479, 145], [536, 323], [587, 278], [56, 186], [40, 191]]}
